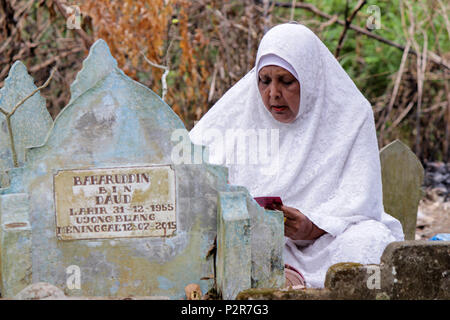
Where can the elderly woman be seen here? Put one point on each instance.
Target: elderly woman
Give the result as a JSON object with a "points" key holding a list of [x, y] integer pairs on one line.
{"points": [[327, 170]]}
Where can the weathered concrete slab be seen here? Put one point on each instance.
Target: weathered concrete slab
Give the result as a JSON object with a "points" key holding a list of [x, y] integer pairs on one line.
{"points": [[354, 281], [416, 270]]}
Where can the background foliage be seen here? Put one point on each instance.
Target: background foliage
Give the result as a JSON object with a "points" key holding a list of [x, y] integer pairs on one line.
{"points": [[208, 45]]}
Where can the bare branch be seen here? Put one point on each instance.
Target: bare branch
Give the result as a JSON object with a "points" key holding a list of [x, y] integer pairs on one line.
{"points": [[348, 22], [164, 76], [328, 23], [399, 77], [293, 9]]}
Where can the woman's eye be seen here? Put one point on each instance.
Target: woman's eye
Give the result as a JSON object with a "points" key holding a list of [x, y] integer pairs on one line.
{"points": [[264, 81]]}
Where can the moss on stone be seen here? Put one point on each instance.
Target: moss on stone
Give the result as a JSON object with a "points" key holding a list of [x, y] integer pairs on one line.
{"points": [[343, 270], [284, 294]]}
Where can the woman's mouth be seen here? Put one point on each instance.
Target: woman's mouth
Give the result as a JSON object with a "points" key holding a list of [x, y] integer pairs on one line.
{"points": [[279, 108]]}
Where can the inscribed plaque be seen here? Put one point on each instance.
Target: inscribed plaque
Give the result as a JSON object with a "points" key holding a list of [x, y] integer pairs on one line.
{"points": [[115, 203]]}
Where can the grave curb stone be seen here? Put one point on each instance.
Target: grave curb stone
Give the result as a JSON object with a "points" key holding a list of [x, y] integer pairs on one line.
{"points": [[285, 294], [349, 280], [15, 244], [416, 269], [233, 263]]}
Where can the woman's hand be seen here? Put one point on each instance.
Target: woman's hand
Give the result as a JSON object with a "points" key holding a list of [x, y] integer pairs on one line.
{"points": [[297, 226]]}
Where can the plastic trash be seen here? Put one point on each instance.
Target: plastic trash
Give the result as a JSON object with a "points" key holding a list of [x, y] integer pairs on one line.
{"points": [[441, 237]]}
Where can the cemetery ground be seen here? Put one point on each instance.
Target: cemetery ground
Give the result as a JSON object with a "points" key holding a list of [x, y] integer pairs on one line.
{"points": [[433, 216]]}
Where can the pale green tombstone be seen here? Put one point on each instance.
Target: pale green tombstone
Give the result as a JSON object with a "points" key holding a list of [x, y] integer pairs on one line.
{"points": [[30, 123], [114, 126], [402, 176]]}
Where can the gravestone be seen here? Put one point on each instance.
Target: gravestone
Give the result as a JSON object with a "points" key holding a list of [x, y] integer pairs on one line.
{"points": [[416, 270], [106, 211], [251, 240], [402, 175], [30, 123]]}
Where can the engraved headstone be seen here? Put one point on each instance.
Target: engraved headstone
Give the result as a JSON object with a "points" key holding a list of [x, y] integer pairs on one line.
{"points": [[110, 213]]}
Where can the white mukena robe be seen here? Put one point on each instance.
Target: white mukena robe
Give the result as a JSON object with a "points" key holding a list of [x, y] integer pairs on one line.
{"points": [[325, 163]]}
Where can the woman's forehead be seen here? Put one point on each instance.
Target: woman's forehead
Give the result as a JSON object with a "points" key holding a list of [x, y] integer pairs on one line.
{"points": [[273, 70]]}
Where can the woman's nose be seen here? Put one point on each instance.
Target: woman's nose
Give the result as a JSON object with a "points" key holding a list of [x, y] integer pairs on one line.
{"points": [[274, 91]]}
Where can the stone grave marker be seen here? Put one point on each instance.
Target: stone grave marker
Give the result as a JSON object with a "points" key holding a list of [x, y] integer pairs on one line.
{"points": [[402, 176], [106, 211], [30, 123]]}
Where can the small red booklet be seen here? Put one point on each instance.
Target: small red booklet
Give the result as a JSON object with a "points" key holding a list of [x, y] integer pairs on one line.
{"points": [[268, 202]]}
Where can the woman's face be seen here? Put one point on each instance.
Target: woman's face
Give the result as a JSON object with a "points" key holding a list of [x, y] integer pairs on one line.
{"points": [[280, 92]]}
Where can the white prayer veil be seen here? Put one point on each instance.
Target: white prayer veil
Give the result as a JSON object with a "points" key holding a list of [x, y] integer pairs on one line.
{"points": [[326, 162]]}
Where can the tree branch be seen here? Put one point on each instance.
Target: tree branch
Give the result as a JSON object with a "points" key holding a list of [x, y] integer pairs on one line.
{"points": [[348, 22], [164, 76]]}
